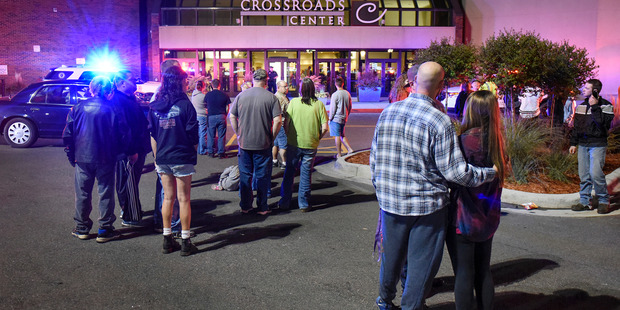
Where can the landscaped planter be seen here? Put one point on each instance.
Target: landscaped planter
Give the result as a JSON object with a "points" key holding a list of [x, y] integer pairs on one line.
{"points": [[367, 94]]}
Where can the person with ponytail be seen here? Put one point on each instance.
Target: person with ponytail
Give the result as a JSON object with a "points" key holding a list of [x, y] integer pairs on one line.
{"points": [[475, 211]]}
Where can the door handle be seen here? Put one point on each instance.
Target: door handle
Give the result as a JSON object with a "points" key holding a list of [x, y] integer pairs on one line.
{"points": [[34, 109]]}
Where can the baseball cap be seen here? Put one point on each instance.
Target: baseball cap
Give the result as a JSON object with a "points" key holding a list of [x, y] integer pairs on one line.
{"points": [[260, 75]]}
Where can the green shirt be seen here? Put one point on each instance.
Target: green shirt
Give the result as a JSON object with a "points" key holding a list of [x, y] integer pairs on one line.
{"points": [[304, 127]]}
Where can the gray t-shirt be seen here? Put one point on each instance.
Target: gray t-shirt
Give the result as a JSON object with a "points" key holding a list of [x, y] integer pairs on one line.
{"points": [[255, 109], [198, 101], [340, 106]]}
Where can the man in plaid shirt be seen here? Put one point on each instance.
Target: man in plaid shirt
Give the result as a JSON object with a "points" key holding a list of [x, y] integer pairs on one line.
{"points": [[414, 154]]}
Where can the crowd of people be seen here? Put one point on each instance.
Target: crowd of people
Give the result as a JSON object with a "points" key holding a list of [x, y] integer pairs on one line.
{"points": [[108, 137], [434, 185]]}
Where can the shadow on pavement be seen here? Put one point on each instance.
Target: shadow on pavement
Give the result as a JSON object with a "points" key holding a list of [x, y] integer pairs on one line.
{"points": [[213, 178], [503, 273], [245, 235], [215, 224], [516, 270], [345, 197], [568, 299]]}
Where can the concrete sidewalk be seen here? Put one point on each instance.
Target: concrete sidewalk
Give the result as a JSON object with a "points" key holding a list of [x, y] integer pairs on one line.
{"points": [[557, 205]]}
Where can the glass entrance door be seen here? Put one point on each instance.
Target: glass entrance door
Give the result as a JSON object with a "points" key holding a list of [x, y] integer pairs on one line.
{"points": [[329, 70], [232, 74], [287, 70], [387, 70]]}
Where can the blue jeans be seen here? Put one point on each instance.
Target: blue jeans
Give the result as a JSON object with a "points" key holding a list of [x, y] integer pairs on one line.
{"points": [[257, 164], [202, 135], [591, 161], [418, 240], [217, 122], [85, 175], [159, 199], [304, 158]]}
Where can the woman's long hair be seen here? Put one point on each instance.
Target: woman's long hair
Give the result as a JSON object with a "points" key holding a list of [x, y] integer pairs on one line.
{"points": [[482, 110], [399, 86], [307, 91], [172, 86]]}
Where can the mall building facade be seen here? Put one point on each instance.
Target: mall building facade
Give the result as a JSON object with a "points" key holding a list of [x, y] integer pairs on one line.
{"points": [[228, 39]]}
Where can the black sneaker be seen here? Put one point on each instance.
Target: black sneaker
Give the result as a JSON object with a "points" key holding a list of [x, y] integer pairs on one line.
{"points": [[275, 164], [580, 207], [106, 235], [187, 247], [80, 235], [222, 155], [603, 208], [177, 234], [170, 245], [283, 166]]}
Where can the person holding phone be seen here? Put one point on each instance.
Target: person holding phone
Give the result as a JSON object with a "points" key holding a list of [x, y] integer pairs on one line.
{"points": [[592, 121]]}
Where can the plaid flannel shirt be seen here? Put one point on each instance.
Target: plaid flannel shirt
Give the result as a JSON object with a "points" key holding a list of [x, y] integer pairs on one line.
{"points": [[414, 153]]}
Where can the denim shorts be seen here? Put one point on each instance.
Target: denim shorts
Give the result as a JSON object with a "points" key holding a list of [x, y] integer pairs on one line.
{"points": [[280, 140], [336, 129], [176, 170]]}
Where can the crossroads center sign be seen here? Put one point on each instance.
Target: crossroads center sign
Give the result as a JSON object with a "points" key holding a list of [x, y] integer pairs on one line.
{"points": [[314, 13]]}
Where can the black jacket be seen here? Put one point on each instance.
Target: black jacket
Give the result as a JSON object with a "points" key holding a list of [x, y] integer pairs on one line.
{"points": [[137, 122], [96, 132], [592, 123], [174, 127]]}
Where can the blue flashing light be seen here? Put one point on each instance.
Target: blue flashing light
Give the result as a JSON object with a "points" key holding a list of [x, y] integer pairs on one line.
{"points": [[104, 60]]}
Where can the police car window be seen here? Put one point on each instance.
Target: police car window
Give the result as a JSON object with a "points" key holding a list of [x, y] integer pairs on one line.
{"points": [[57, 94], [83, 93]]}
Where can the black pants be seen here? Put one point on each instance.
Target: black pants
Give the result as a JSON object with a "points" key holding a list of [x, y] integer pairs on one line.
{"points": [[471, 262], [129, 196]]}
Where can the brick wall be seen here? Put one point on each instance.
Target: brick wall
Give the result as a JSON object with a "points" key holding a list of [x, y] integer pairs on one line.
{"points": [[65, 30]]}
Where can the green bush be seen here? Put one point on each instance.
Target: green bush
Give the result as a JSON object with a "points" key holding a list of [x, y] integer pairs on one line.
{"points": [[558, 164], [524, 139]]}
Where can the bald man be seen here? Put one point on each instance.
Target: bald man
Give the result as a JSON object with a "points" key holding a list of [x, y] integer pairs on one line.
{"points": [[414, 154]]}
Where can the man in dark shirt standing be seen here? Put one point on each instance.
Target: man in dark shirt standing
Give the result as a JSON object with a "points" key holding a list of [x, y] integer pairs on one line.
{"points": [[133, 162], [217, 108]]}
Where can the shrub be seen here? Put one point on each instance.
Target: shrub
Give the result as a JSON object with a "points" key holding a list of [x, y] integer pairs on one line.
{"points": [[558, 164], [524, 138], [369, 79]]}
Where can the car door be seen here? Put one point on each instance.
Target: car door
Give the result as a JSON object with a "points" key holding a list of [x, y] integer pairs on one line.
{"points": [[49, 107]]}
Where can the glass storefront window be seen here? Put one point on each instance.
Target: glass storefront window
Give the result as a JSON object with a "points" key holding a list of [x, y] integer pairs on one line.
{"points": [[258, 60], [391, 18], [280, 54], [169, 17], [424, 4], [425, 18], [254, 20], [274, 20], [188, 17], [188, 3], [390, 4], [205, 17], [332, 54], [407, 4], [223, 3], [205, 3], [306, 64], [222, 18], [408, 18]]}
